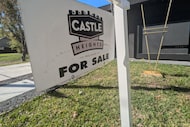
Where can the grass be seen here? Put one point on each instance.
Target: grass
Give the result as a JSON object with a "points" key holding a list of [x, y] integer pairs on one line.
{"points": [[92, 101], [161, 101], [10, 58]]}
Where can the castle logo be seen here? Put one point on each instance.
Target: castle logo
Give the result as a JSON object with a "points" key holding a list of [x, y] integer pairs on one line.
{"points": [[88, 28]]}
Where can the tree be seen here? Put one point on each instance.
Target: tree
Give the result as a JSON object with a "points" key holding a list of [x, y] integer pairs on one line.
{"points": [[11, 23], [1, 33]]}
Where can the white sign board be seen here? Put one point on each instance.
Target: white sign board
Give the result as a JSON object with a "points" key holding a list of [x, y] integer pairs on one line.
{"points": [[65, 39]]}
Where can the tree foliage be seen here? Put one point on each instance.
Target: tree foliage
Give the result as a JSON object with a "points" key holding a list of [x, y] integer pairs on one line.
{"points": [[11, 23]]}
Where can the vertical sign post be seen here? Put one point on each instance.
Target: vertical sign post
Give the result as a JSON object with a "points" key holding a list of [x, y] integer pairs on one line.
{"points": [[121, 32]]}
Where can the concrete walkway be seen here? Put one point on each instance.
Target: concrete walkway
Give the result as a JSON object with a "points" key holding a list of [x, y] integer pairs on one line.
{"points": [[184, 63], [13, 71], [16, 86], [13, 80], [14, 89]]}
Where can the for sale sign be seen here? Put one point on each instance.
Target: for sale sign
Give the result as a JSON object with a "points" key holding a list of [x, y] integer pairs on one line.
{"points": [[66, 39], [88, 27], [85, 24]]}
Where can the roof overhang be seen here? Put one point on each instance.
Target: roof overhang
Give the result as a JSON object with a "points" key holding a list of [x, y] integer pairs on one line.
{"points": [[136, 1]]}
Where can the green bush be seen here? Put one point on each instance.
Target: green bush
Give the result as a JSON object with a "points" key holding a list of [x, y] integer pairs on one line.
{"points": [[15, 45]]}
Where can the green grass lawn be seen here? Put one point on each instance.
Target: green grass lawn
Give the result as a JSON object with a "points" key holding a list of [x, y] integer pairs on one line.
{"points": [[10, 58], [93, 101]]}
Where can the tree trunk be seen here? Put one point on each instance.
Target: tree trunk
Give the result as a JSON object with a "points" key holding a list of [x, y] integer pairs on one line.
{"points": [[24, 51]]}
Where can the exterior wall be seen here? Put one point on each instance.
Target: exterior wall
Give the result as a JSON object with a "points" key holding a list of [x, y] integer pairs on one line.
{"points": [[178, 32], [176, 40], [178, 35]]}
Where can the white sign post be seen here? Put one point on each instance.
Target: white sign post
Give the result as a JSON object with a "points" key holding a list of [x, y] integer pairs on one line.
{"points": [[121, 31], [66, 39]]}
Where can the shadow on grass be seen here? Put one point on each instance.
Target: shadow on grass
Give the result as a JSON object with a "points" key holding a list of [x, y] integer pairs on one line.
{"points": [[175, 75], [62, 95], [56, 93], [174, 88], [91, 87], [59, 94]]}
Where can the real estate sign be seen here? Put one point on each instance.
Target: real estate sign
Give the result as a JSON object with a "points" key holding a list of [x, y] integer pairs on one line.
{"points": [[65, 39]]}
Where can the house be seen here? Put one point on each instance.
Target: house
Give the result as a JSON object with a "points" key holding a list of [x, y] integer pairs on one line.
{"points": [[4, 45], [176, 45]]}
